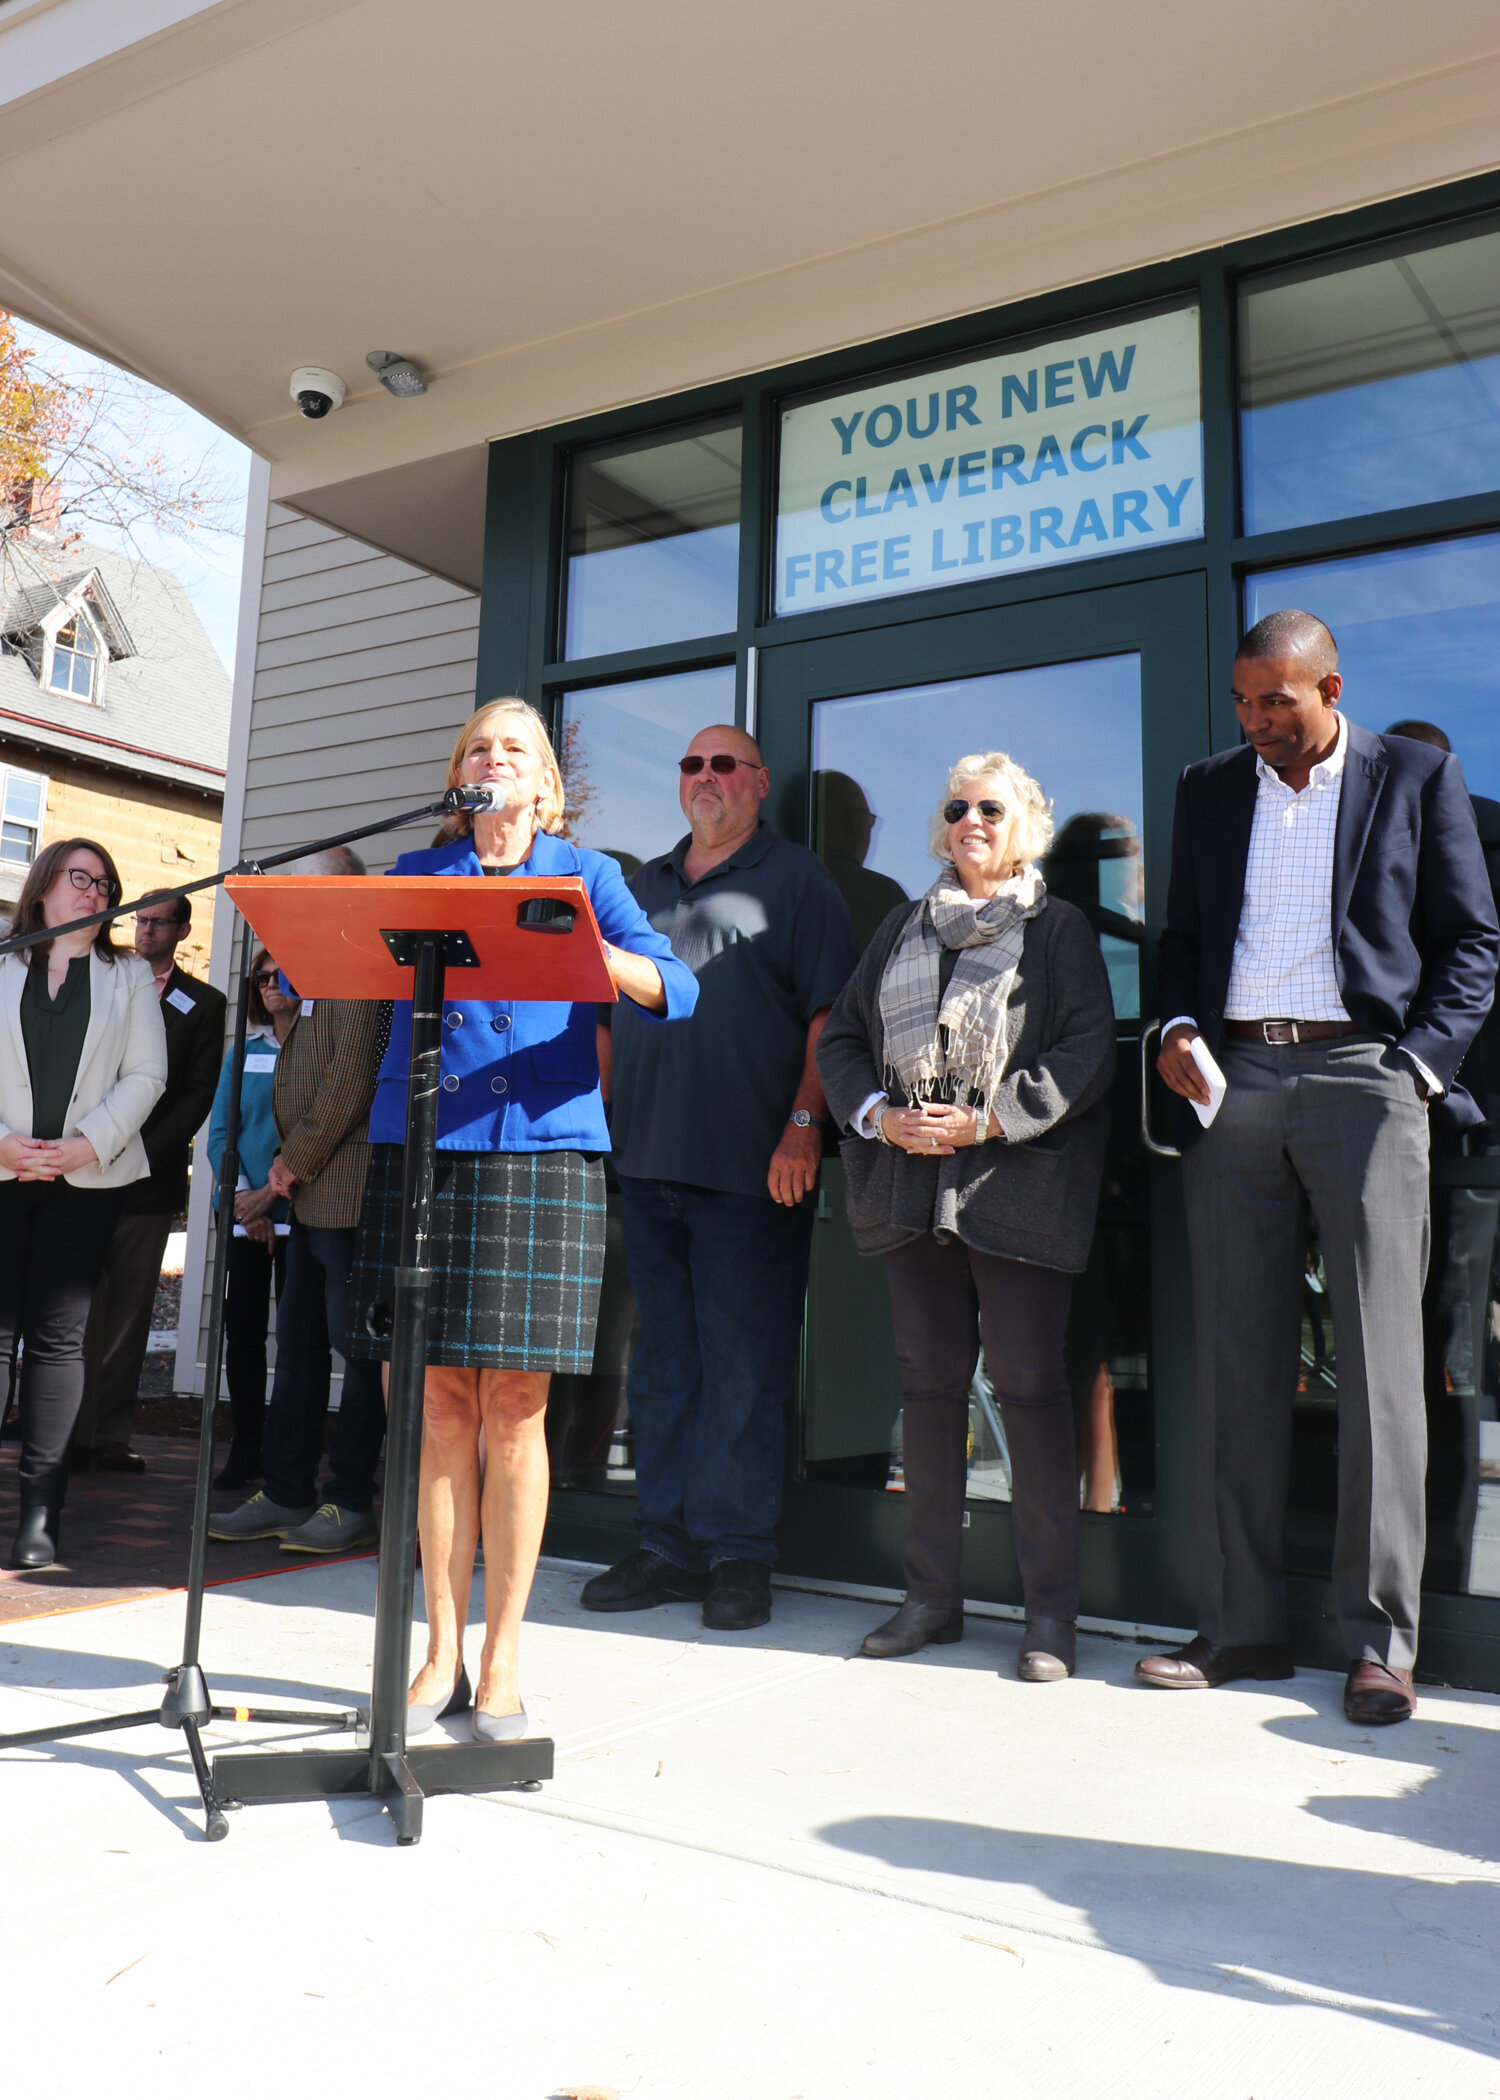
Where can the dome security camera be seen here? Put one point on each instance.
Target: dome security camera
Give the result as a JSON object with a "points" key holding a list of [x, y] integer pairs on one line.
{"points": [[317, 392]]}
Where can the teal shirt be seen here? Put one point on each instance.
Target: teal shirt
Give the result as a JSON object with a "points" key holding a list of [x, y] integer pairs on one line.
{"points": [[258, 1141], [53, 1031]]}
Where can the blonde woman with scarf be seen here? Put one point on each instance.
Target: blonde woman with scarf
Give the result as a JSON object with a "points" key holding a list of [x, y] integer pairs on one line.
{"points": [[968, 1061]]}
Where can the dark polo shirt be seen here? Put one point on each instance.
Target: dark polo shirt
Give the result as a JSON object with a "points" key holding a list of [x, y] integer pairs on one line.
{"points": [[770, 941]]}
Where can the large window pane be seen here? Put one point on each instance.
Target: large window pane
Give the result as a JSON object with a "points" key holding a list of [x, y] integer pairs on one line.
{"points": [[653, 540], [1418, 630], [620, 747], [1372, 382], [880, 763]]}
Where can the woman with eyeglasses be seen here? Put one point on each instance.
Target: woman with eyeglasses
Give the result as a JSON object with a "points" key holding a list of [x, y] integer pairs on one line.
{"points": [[969, 1059], [518, 1215], [257, 1252], [83, 1061]]}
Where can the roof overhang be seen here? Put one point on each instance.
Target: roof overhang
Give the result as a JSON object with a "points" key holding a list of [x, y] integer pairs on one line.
{"points": [[560, 210]]}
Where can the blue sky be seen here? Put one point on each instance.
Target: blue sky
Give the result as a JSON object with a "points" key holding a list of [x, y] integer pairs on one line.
{"points": [[207, 564]]}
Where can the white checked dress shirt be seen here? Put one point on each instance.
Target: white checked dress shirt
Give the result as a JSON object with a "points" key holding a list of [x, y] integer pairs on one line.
{"points": [[1283, 952]]}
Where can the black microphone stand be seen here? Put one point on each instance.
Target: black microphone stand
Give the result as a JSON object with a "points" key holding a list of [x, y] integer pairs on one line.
{"points": [[188, 1704]]}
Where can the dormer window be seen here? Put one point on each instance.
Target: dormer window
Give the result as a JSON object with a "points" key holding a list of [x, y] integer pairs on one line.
{"points": [[75, 659]]}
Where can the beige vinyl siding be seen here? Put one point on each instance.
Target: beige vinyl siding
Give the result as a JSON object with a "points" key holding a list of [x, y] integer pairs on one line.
{"points": [[363, 671]]}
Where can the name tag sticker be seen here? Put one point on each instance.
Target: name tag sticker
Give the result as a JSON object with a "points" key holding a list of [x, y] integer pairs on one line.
{"points": [[307, 1007], [181, 1001], [260, 1061]]}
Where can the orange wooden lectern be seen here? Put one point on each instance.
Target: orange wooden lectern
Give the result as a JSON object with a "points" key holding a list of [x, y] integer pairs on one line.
{"points": [[398, 937]]}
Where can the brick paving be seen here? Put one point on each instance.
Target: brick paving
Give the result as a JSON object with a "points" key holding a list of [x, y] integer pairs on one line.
{"points": [[125, 1535]]}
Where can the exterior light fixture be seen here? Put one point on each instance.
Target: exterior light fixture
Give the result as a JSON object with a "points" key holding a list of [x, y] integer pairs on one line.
{"points": [[398, 375]]}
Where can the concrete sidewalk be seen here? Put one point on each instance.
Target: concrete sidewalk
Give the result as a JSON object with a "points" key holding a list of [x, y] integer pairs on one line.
{"points": [[763, 1872]]}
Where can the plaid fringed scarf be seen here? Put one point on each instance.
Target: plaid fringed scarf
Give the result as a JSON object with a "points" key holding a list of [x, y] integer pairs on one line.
{"points": [[956, 1053]]}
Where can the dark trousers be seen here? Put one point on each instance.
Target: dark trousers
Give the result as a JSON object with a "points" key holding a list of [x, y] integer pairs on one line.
{"points": [[247, 1314], [945, 1299], [53, 1241], [119, 1327], [720, 1281], [1336, 1132], [312, 1303]]}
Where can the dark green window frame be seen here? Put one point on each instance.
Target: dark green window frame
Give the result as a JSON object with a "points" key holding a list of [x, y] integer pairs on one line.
{"points": [[526, 517], [525, 555]]}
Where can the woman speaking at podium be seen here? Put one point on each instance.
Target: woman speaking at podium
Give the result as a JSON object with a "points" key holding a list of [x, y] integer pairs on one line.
{"points": [[518, 1218]]}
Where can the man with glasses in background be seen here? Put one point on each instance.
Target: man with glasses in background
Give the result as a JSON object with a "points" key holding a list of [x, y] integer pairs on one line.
{"points": [[717, 1135], [119, 1327]]}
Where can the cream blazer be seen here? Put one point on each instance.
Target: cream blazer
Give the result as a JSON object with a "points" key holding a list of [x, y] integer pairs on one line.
{"points": [[122, 1072]]}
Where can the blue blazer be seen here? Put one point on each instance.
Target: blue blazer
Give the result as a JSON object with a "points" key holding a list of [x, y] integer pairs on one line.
{"points": [[1415, 939], [523, 1075]]}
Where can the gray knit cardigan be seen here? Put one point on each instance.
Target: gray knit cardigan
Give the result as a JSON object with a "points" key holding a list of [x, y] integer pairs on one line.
{"points": [[1033, 1193]]}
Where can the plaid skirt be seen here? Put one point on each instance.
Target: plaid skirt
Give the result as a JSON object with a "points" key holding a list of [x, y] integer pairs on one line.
{"points": [[517, 1259]]}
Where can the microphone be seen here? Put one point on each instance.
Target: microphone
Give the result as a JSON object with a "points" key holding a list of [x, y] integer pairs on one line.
{"points": [[480, 794]]}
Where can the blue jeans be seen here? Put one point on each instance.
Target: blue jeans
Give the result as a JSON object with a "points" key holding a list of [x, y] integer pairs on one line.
{"points": [[312, 1305], [720, 1281]]}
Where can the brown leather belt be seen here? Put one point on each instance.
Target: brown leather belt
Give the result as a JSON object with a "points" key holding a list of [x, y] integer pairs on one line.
{"points": [[1280, 1033]]}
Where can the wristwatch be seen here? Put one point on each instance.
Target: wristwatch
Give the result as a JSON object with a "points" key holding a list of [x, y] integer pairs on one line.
{"points": [[805, 1119]]}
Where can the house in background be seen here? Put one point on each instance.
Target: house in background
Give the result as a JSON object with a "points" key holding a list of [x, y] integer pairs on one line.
{"points": [[114, 718]]}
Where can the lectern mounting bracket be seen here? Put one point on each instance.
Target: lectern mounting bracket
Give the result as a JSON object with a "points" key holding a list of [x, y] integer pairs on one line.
{"points": [[459, 952]]}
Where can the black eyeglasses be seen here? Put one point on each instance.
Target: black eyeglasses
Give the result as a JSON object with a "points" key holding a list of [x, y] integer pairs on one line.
{"points": [[721, 762], [266, 979], [81, 879], [955, 811]]}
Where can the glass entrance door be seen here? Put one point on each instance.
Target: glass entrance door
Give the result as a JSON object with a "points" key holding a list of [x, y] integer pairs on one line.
{"points": [[1102, 697]]}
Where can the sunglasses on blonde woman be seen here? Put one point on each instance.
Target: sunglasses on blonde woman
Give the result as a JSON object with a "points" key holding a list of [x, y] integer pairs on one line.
{"points": [[955, 811]]}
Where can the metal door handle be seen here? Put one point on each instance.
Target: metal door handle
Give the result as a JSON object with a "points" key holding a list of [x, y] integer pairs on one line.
{"points": [[1162, 1151]]}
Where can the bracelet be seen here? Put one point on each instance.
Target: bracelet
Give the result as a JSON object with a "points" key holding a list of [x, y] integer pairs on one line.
{"points": [[981, 1125], [880, 1130]]}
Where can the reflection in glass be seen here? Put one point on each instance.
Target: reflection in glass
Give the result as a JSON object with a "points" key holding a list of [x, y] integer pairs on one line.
{"points": [[1371, 383], [619, 752], [1418, 630], [653, 540], [880, 765], [1461, 1388], [619, 749]]}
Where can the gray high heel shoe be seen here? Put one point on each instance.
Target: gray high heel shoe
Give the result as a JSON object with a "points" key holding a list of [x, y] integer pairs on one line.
{"points": [[500, 1728], [420, 1718]]}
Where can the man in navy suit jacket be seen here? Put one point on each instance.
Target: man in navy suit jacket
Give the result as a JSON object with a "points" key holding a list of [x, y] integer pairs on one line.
{"points": [[1331, 937]]}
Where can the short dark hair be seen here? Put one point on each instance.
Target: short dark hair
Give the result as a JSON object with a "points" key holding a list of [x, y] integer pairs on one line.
{"points": [[182, 910], [31, 916], [1291, 633], [1421, 733]]}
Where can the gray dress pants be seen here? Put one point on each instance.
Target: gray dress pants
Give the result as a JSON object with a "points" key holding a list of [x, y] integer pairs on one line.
{"points": [[1336, 1130]]}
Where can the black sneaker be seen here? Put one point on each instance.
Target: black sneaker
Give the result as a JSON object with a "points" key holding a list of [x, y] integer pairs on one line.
{"points": [[739, 1596], [643, 1580]]}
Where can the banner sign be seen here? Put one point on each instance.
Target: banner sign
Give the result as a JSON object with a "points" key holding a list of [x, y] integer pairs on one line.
{"points": [[1063, 452]]}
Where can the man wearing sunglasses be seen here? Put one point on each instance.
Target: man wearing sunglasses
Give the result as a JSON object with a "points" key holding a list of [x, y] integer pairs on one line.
{"points": [[717, 1138], [119, 1328]]}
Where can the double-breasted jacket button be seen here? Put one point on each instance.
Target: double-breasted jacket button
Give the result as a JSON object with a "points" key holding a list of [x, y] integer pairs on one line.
{"points": [[450, 1084], [454, 1020], [501, 1023], [498, 1085]]}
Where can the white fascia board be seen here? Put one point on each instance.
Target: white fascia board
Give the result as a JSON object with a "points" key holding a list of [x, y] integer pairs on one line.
{"points": [[43, 41]]}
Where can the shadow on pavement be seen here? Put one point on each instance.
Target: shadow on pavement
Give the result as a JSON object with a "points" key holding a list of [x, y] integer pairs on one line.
{"points": [[1277, 1930]]}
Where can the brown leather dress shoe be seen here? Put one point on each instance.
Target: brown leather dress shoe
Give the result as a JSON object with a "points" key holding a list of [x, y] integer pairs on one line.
{"points": [[118, 1458], [1375, 1696], [1200, 1666]]}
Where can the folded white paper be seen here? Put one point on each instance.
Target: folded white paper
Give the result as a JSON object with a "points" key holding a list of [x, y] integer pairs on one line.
{"points": [[1218, 1085]]}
